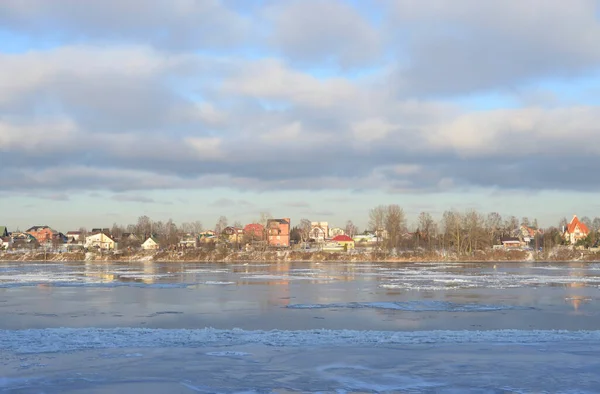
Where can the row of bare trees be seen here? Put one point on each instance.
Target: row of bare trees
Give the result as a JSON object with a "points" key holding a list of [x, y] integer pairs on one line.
{"points": [[462, 232]]}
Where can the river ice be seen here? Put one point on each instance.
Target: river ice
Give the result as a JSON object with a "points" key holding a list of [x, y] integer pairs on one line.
{"points": [[299, 327]]}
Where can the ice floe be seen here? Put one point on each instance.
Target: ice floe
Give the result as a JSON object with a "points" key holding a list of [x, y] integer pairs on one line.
{"points": [[59, 340], [412, 306]]}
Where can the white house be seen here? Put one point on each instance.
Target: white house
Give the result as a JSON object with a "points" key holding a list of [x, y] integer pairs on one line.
{"points": [[5, 243], [334, 232], [151, 244], [100, 241], [319, 231], [74, 236]]}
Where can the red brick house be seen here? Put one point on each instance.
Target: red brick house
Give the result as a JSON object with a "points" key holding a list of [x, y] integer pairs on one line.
{"points": [[278, 232], [42, 233]]}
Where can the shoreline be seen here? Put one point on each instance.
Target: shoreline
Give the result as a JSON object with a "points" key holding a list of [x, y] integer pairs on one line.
{"points": [[496, 256]]}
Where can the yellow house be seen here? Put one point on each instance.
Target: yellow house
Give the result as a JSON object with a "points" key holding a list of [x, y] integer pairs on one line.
{"points": [[100, 241], [344, 240]]}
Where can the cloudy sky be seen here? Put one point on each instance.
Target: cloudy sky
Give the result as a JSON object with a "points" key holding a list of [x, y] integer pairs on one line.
{"points": [[318, 109]]}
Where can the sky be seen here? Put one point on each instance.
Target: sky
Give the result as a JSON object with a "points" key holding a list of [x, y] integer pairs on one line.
{"points": [[317, 109]]}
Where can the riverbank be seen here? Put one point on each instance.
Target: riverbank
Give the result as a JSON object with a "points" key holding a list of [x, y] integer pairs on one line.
{"points": [[559, 254]]}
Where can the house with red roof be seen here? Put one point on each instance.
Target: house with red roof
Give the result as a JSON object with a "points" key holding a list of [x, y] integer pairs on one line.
{"points": [[575, 231], [344, 240]]}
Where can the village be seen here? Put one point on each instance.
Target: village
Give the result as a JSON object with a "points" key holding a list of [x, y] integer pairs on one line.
{"points": [[279, 234]]}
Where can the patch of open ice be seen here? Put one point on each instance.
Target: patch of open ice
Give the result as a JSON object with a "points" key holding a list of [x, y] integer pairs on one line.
{"points": [[214, 282], [228, 354], [144, 276], [60, 340], [206, 271], [286, 277], [412, 306]]}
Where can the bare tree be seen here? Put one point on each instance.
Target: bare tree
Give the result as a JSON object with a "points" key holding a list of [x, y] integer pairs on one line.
{"points": [[221, 224], [304, 228], [116, 231], [451, 222], [525, 221], [191, 227], [473, 226], [587, 221], [394, 224], [351, 230], [596, 224], [238, 224], [144, 226], [493, 224], [377, 218], [264, 218], [511, 225], [426, 226], [563, 224]]}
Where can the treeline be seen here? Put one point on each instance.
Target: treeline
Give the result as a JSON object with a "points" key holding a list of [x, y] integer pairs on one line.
{"points": [[458, 231], [466, 231]]}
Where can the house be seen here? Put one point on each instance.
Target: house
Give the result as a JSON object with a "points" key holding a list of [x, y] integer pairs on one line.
{"points": [[207, 236], [511, 242], [21, 240], [575, 231], [5, 243], [344, 240], [319, 231], [129, 237], [188, 241], [278, 232], [74, 236], [3, 232], [364, 239], [255, 231], [151, 243], [42, 234], [334, 232], [234, 234], [99, 241]]}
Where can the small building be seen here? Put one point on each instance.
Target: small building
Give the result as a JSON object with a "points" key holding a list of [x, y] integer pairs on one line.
{"points": [[207, 237], [575, 231], [74, 236], [151, 244], [99, 241], [278, 232], [511, 243], [364, 239], [5, 243], [344, 240], [188, 241]]}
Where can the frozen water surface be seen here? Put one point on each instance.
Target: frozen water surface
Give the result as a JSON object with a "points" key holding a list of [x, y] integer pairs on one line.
{"points": [[299, 327]]}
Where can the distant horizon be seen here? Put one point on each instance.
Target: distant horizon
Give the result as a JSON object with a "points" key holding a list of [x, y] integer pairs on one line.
{"points": [[303, 108]]}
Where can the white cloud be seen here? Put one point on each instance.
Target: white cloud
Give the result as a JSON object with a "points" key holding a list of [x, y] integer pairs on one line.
{"points": [[206, 148], [323, 31], [272, 79]]}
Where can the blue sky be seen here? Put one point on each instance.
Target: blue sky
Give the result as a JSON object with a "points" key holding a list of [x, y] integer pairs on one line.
{"points": [[318, 109]]}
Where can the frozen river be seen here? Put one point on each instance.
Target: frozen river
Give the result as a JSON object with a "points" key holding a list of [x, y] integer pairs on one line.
{"points": [[299, 327]]}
